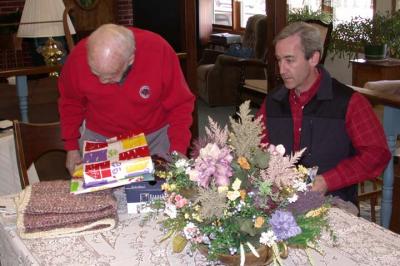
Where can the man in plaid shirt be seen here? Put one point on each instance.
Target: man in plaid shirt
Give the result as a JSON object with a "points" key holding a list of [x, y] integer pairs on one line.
{"points": [[312, 110]]}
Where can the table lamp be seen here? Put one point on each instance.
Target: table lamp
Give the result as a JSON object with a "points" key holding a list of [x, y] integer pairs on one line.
{"points": [[44, 18]]}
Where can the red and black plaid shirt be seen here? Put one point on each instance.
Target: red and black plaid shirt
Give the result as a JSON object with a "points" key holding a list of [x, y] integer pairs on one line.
{"points": [[364, 130]]}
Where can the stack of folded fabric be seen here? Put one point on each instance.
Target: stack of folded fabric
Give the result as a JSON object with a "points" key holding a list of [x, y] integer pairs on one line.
{"points": [[47, 209]]}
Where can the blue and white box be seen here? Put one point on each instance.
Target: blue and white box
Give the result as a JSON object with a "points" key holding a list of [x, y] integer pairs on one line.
{"points": [[140, 193]]}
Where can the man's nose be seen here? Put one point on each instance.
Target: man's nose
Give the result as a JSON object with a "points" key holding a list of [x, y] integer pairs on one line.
{"points": [[282, 68]]}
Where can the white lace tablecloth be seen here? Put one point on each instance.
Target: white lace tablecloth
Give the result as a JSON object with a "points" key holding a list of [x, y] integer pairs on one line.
{"points": [[359, 242]]}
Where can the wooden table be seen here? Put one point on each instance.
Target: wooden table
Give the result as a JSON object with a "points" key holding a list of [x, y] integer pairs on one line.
{"points": [[372, 70], [21, 75]]}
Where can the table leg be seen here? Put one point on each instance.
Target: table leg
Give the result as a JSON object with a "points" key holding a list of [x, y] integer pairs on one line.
{"points": [[391, 125], [22, 92]]}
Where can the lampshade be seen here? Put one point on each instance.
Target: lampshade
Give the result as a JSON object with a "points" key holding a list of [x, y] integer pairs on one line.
{"points": [[43, 18]]}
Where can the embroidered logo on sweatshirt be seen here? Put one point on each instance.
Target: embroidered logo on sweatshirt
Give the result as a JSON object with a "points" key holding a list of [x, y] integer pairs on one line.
{"points": [[144, 92]]}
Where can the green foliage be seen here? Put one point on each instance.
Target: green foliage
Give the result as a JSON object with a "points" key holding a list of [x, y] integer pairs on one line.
{"points": [[311, 228], [260, 159], [306, 13], [349, 38]]}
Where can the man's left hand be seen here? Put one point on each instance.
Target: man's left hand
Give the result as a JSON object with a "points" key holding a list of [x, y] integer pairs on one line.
{"points": [[319, 184]]}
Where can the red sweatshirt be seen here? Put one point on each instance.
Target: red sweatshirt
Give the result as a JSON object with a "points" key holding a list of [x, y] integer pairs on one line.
{"points": [[153, 95]]}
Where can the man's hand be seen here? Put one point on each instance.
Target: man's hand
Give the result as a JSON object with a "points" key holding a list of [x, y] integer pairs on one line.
{"points": [[319, 184], [73, 159]]}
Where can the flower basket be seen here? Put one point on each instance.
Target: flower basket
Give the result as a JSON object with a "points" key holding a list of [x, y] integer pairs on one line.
{"points": [[265, 257], [239, 201]]}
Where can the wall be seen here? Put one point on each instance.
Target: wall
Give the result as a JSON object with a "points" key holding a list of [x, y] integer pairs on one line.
{"points": [[124, 16]]}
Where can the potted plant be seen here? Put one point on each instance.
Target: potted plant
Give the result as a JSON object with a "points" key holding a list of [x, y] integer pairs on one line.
{"points": [[369, 35], [305, 13]]}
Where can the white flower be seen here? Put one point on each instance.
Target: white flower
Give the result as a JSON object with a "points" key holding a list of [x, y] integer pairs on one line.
{"points": [[293, 198], [181, 163], [268, 238], [280, 149], [191, 231], [170, 210], [211, 150], [188, 170], [193, 174], [236, 184], [300, 186]]}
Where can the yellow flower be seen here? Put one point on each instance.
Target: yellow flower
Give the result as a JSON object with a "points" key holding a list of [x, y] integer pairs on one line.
{"points": [[172, 187], [187, 216], [242, 161], [243, 194], [317, 212], [259, 222], [222, 189], [165, 187], [302, 170], [232, 195], [197, 217], [236, 184]]}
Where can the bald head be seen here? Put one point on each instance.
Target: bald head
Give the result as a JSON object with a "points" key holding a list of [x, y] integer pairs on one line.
{"points": [[111, 50]]}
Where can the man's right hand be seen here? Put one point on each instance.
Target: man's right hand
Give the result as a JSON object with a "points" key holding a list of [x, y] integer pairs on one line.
{"points": [[73, 159]]}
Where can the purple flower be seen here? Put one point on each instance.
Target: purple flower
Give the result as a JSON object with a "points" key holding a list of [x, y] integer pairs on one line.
{"points": [[213, 163], [284, 225]]}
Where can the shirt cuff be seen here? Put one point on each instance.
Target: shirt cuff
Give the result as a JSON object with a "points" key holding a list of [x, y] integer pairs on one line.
{"points": [[333, 180], [70, 145]]}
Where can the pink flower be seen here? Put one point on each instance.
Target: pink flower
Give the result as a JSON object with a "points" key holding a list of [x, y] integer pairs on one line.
{"points": [[180, 201], [276, 150]]}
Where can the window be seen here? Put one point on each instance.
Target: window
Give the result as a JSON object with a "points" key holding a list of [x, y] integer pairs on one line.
{"points": [[225, 11], [343, 10], [250, 8]]}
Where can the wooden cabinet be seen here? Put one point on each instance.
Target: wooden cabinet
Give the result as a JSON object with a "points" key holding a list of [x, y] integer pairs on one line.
{"points": [[87, 19], [364, 70]]}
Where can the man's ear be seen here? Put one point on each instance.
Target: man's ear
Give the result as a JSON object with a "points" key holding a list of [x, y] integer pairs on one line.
{"points": [[315, 58]]}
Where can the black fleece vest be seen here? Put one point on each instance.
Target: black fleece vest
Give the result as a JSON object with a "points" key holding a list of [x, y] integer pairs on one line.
{"points": [[323, 130]]}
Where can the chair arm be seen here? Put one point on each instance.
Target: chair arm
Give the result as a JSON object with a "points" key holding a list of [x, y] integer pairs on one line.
{"points": [[385, 86], [209, 56], [252, 63], [227, 60]]}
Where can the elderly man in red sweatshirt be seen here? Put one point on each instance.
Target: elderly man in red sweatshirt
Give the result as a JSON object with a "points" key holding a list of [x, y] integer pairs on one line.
{"points": [[124, 79]]}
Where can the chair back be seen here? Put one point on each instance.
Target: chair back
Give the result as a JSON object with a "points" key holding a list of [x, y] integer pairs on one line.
{"points": [[255, 35], [326, 31], [32, 141]]}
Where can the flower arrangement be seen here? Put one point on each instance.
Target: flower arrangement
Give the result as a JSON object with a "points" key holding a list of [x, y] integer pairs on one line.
{"points": [[236, 195]]}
